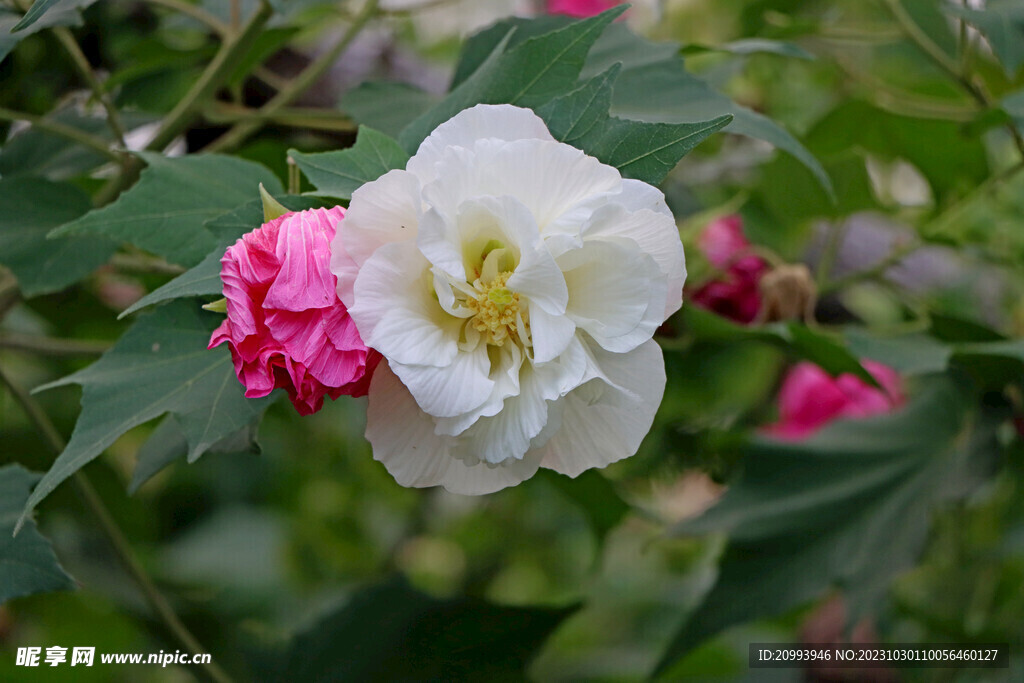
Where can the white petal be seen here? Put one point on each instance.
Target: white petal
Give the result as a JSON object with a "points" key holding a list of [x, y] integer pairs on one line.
{"points": [[601, 423], [382, 211], [458, 387], [551, 334], [656, 234], [550, 178], [637, 195], [505, 365], [402, 435], [403, 440], [616, 293], [396, 313], [501, 121]]}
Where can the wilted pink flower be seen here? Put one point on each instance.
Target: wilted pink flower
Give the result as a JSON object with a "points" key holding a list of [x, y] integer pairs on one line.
{"points": [[580, 8], [810, 398], [735, 294], [286, 327]]}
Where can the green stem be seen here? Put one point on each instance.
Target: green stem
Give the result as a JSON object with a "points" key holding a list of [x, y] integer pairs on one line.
{"points": [[50, 346], [947, 64], [242, 130], [211, 80], [78, 58], [292, 117], [196, 12], [143, 263], [97, 144], [122, 548]]}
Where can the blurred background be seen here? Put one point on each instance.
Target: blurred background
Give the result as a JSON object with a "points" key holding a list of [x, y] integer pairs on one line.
{"points": [[923, 244]]}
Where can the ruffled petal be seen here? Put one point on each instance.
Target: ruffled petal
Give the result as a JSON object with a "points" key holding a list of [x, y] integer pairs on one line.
{"points": [[615, 292], [384, 211], [405, 323], [498, 121], [456, 388], [603, 422], [304, 252]]}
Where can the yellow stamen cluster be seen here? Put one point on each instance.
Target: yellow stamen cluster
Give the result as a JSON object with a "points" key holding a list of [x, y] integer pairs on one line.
{"points": [[495, 309]]}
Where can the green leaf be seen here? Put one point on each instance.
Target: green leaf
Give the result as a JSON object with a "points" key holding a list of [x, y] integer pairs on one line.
{"points": [[395, 633], [37, 152], [1002, 24], [849, 506], [29, 209], [168, 443], [160, 365], [27, 562], [644, 151], [164, 212], [594, 495], [386, 105], [803, 342], [340, 173], [528, 74], [204, 278], [62, 13], [911, 354], [37, 10], [654, 86]]}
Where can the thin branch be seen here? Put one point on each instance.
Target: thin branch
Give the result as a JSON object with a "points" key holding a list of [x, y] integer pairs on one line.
{"points": [[122, 548], [297, 117], [93, 142], [947, 64], [85, 69], [50, 346], [217, 71], [143, 263], [242, 130], [196, 12]]}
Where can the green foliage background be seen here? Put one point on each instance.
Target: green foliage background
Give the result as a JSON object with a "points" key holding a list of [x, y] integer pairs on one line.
{"points": [[291, 555]]}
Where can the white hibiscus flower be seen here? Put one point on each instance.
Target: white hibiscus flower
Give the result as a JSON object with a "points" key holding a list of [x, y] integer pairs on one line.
{"points": [[513, 284]]}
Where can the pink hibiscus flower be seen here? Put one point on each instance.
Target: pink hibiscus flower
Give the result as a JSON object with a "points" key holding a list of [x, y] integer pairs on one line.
{"points": [[286, 327], [736, 293], [810, 398]]}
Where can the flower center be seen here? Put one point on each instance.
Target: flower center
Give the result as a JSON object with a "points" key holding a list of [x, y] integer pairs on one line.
{"points": [[494, 309]]}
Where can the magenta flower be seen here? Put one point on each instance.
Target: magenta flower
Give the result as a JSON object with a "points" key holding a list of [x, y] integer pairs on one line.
{"points": [[736, 293], [580, 8], [810, 398], [286, 327]]}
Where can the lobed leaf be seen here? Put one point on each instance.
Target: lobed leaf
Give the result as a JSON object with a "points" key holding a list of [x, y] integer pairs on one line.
{"points": [[849, 506], [161, 365], [31, 207], [165, 211], [27, 562], [340, 173]]}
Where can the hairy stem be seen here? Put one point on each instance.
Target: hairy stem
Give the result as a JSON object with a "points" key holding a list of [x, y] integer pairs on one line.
{"points": [[122, 548], [242, 130], [212, 79]]}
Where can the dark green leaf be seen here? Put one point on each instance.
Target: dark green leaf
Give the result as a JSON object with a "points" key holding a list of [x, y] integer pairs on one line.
{"points": [[33, 14], [168, 443], [62, 13], [160, 365], [395, 633], [644, 151], [912, 354], [29, 209], [595, 496], [796, 338], [164, 212], [655, 87], [340, 173], [849, 506], [528, 75], [27, 562], [37, 152], [204, 278], [386, 105]]}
